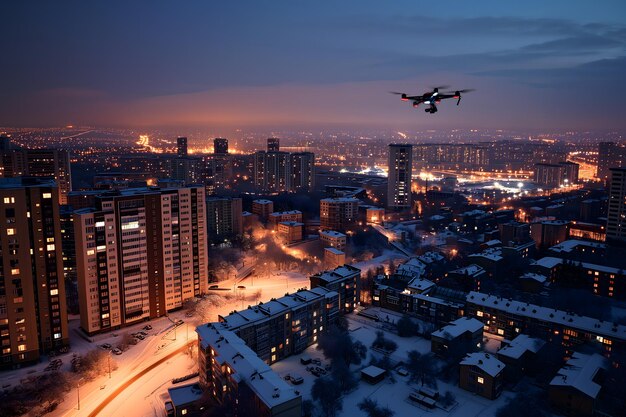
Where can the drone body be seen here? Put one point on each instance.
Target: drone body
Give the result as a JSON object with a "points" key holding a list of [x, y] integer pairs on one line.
{"points": [[432, 98]]}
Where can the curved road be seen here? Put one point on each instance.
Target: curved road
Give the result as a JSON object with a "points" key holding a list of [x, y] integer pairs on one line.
{"points": [[132, 380]]}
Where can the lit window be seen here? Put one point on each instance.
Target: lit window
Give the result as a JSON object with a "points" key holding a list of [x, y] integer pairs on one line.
{"points": [[500, 332], [50, 247], [479, 313], [480, 380], [10, 232], [47, 195], [21, 348], [57, 335], [54, 292], [183, 411], [15, 271]]}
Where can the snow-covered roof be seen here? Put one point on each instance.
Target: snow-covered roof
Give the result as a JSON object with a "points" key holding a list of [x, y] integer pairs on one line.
{"points": [[535, 277], [579, 373], [339, 273], [420, 285], [373, 371], [262, 201], [430, 257], [491, 254], [484, 361], [520, 345], [332, 233], [285, 213], [471, 270], [593, 326], [569, 245], [458, 327], [247, 366], [292, 224], [493, 242], [548, 262], [185, 394]]}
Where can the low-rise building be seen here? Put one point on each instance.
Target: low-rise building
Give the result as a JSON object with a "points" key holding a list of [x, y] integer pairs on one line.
{"points": [[284, 326], [333, 239], [519, 354], [457, 338], [576, 387], [508, 318], [285, 216], [290, 232], [234, 376], [333, 258], [262, 208], [482, 374], [344, 281]]}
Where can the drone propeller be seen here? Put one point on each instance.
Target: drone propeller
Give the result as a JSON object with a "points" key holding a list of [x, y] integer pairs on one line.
{"points": [[395, 92], [440, 87], [467, 90]]}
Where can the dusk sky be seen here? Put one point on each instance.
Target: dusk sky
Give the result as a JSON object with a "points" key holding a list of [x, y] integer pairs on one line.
{"points": [[535, 64]]}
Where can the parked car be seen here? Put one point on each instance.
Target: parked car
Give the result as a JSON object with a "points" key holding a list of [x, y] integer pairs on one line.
{"points": [[305, 360], [117, 351], [241, 287], [189, 314], [213, 287], [144, 334], [179, 322], [296, 379], [105, 346], [402, 372], [147, 327]]}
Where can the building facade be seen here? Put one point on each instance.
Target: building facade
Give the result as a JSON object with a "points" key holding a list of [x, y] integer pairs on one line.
{"points": [[33, 316], [400, 171], [140, 253]]}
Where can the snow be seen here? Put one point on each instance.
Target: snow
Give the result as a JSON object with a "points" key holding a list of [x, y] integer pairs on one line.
{"points": [[471, 270], [332, 233], [372, 371], [420, 285], [548, 262], [184, 394], [568, 246], [520, 345], [394, 395], [492, 254], [458, 327], [550, 315], [579, 373], [486, 362], [536, 277]]}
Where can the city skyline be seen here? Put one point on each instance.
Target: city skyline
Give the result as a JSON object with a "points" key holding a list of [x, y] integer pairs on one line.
{"points": [[556, 66]]}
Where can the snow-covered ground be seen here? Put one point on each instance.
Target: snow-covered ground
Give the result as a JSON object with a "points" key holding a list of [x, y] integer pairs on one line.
{"points": [[390, 394]]}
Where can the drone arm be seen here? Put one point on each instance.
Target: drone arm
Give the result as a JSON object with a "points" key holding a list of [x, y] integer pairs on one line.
{"points": [[459, 100]]}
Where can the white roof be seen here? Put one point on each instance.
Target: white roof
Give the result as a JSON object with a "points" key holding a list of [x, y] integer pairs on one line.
{"points": [[373, 371], [520, 345], [458, 327], [548, 262], [569, 245], [593, 326], [262, 201], [420, 284], [579, 373], [332, 233], [536, 277], [484, 361], [492, 254], [248, 367], [471, 270], [285, 213]]}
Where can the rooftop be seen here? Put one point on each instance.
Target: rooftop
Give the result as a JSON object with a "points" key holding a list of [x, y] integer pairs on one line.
{"points": [[606, 329], [247, 366], [334, 251], [579, 373], [332, 233], [185, 394], [569, 245], [520, 345], [458, 327], [484, 361]]}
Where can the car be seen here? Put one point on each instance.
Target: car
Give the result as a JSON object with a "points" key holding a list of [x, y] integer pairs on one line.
{"points": [[315, 372], [105, 346], [189, 314], [142, 333], [179, 322], [317, 361], [305, 360], [141, 337], [296, 379], [117, 351], [147, 327], [402, 371], [213, 287], [287, 377], [241, 287]]}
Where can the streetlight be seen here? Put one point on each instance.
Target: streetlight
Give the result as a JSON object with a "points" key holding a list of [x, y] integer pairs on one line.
{"points": [[78, 391]]}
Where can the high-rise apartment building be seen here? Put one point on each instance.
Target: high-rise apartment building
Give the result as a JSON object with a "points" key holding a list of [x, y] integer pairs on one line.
{"points": [[616, 216], [400, 170], [278, 171], [273, 144], [33, 317], [140, 253], [181, 146], [609, 156], [223, 217], [220, 146], [43, 163], [338, 214], [302, 171]]}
